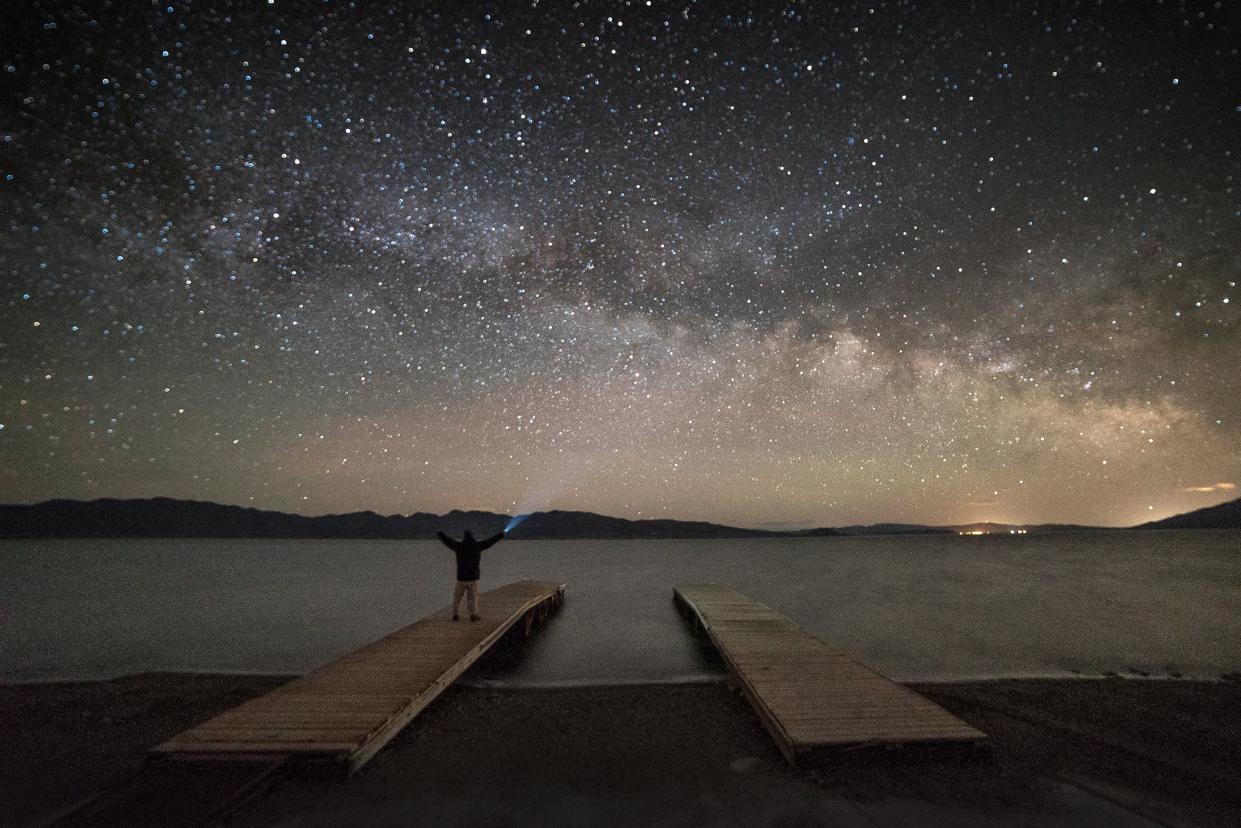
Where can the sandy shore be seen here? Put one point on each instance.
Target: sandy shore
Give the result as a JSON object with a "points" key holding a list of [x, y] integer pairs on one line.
{"points": [[1064, 752]]}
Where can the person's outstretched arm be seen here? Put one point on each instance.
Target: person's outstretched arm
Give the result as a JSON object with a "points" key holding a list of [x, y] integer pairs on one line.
{"points": [[447, 541], [491, 541]]}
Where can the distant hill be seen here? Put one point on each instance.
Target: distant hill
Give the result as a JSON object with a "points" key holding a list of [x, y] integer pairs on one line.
{"points": [[167, 518], [163, 517], [560, 524], [1223, 516], [895, 529]]}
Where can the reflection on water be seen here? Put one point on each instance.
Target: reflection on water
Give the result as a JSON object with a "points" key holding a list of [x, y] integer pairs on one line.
{"points": [[917, 607]]}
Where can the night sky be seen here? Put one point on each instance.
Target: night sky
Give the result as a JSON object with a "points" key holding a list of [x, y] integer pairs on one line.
{"points": [[779, 265]]}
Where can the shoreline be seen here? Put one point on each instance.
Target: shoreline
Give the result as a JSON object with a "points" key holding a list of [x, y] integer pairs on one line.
{"points": [[714, 677], [1110, 749]]}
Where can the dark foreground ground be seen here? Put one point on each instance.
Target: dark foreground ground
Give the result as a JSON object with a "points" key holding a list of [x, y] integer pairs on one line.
{"points": [[1072, 752]]}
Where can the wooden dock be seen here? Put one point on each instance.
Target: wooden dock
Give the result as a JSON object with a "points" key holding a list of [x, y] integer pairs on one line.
{"points": [[351, 707], [808, 696]]}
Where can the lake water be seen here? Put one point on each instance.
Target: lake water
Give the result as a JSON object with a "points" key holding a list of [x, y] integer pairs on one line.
{"points": [[915, 607]]}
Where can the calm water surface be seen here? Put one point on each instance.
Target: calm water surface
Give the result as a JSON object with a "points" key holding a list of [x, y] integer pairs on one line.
{"points": [[923, 607]]}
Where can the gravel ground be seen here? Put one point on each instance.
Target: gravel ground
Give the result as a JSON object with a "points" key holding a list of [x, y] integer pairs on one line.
{"points": [[1063, 752]]}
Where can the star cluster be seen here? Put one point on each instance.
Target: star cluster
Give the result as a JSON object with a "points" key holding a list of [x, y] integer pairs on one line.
{"points": [[777, 264]]}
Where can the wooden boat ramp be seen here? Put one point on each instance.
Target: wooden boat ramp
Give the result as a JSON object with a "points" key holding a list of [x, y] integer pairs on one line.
{"points": [[808, 696], [351, 707]]}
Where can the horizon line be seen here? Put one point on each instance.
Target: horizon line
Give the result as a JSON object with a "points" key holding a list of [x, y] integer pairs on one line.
{"points": [[774, 527]]}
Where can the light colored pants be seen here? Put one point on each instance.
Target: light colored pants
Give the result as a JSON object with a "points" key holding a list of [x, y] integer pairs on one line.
{"points": [[468, 590]]}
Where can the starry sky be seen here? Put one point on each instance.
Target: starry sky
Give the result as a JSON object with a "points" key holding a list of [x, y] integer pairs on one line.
{"points": [[777, 264]]}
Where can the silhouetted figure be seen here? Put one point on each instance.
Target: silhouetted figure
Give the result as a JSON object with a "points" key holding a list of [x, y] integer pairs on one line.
{"points": [[469, 551]]}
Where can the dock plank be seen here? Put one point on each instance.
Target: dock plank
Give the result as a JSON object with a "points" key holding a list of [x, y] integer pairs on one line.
{"points": [[809, 696], [352, 706]]}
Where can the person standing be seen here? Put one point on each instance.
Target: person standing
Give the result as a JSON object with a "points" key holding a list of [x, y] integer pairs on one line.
{"points": [[469, 551]]}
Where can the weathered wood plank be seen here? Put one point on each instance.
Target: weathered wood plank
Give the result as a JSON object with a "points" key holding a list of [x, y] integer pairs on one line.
{"points": [[807, 695], [333, 750], [351, 707]]}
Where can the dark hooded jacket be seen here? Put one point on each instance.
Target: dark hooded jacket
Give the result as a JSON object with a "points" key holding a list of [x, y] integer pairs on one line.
{"points": [[468, 552]]}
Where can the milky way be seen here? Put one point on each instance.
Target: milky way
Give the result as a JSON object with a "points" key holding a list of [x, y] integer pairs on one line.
{"points": [[790, 264]]}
